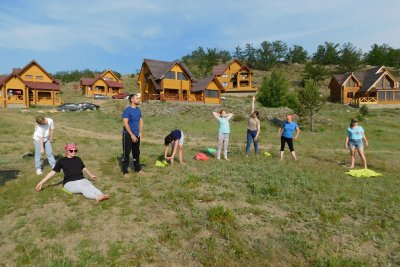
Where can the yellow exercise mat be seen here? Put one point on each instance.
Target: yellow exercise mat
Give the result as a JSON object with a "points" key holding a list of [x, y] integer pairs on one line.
{"points": [[66, 191], [161, 163], [363, 173], [267, 154]]}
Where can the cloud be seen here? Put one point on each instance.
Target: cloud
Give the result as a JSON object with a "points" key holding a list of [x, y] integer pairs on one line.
{"points": [[172, 29]]}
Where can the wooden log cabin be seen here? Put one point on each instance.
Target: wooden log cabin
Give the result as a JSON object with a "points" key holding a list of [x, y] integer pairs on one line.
{"points": [[106, 83], [27, 86], [235, 77], [208, 90], [173, 81], [166, 81], [373, 86]]}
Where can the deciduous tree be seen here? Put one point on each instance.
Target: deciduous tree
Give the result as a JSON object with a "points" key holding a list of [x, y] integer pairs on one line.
{"points": [[274, 90]]}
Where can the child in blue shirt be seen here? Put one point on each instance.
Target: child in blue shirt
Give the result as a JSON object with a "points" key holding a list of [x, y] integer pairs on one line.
{"points": [[354, 140]]}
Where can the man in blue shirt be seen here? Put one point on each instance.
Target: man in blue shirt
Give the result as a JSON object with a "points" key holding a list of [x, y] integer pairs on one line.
{"points": [[132, 134]]}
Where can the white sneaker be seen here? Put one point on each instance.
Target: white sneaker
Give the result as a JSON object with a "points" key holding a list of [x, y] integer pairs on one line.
{"points": [[38, 171]]}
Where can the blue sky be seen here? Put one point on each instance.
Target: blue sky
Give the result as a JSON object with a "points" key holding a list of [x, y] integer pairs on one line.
{"points": [[119, 34]]}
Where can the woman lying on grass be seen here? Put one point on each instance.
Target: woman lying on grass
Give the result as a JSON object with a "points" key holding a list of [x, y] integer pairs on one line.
{"points": [[74, 181]]}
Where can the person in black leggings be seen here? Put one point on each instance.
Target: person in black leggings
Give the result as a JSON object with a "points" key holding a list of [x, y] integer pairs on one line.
{"points": [[132, 134], [287, 129]]}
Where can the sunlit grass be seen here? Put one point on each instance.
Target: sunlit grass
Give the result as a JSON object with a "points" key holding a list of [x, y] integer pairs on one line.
{"points": [[254, 211]]}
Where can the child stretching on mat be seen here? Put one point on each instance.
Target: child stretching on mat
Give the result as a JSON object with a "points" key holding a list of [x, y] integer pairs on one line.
{"points": [[74, 181]]}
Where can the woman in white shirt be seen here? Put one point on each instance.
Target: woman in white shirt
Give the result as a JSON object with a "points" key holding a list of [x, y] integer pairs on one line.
{"points": [[42, 139]]}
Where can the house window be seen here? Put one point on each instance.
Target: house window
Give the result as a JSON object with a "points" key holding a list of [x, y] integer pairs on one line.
{"points": [[211, 93], [108, 79], [39, 77], [232, 75], [181, 76], [170, 75], [350, 94], [389, 95], [28, 77], [381, 96], [396, 96], [224, 75], [224, 84], [100, 88], [387, 84]]}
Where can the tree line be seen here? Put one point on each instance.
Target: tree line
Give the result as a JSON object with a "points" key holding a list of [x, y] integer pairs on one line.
{"points": [[345, 57], [76, 75]]}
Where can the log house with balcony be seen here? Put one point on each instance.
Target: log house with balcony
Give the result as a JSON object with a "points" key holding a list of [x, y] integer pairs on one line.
{"points": [[373, 86], [235, 77], [27, 86], [106, 83]]}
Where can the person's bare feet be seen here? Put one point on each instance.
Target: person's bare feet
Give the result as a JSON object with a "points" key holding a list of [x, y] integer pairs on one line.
{"points": [[102, 198], [126, 175], [141, 172]]}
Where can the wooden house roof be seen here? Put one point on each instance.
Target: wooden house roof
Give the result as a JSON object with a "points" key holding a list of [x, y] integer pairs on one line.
{"points": [[220, 69], [87, 81], [159, 68], [99, 76], [54, 85], [114, 84], [202, 84], [33, 62], [42, 85], [2, 78], [16, 71]]}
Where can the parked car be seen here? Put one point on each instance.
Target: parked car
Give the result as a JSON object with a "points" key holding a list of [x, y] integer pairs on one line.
{"points": [[100, 96], [68, 107], [88, 105], [123, 95]]}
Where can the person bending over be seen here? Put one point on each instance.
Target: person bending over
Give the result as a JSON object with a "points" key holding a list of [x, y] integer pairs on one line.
{"points": [[176, 139]]}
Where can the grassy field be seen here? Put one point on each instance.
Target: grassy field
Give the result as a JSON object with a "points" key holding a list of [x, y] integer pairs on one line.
{"points": [[254, 211]]}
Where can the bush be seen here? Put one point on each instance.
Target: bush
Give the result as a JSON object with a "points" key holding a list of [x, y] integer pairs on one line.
{"points": [[274, 90], [238, 118], [363, 111]]}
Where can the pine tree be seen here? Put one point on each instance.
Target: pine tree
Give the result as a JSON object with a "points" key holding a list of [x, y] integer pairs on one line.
{"points": [[310, 101]]}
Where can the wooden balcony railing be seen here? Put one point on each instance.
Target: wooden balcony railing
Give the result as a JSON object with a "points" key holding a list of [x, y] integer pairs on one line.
{"points": [[146, 97], [364, 100], [16, 98]]}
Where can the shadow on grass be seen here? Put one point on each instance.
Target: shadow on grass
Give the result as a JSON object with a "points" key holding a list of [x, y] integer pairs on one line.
{"points": [[7, 175], [120, 158]]}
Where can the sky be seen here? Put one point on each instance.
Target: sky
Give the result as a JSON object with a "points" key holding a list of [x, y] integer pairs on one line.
{"points": [[119, 34]]}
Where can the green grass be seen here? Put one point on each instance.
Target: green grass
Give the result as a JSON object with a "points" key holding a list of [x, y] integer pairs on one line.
{"points": [[254, 211]]}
